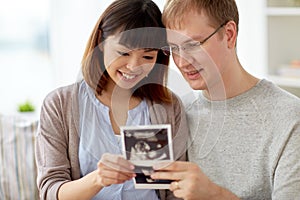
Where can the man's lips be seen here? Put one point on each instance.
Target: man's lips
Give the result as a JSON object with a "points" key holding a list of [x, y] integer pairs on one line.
{"points": [[194, 74]]}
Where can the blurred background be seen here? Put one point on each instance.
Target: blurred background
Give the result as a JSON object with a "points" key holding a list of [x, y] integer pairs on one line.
{"points": [[42, 43]]}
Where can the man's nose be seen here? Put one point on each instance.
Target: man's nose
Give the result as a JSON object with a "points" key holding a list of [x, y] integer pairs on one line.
{"points": [[181, 60]]}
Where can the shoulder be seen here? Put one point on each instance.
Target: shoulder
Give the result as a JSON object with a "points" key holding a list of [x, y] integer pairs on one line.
{"points": [[64, 91], [278, 106], [61, 101], [62, 94], [190, 99], [166, 109], [276, 97]]}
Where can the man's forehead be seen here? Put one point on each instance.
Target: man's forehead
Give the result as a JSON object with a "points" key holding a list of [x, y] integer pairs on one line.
{"points": [[180, 20], [181, 36]]}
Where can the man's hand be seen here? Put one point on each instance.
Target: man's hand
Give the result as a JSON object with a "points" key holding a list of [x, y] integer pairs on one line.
{"points": [[189, 182]]}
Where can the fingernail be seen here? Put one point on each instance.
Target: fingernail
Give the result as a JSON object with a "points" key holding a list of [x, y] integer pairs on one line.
{"points": [[131, 166], [155, 166]]}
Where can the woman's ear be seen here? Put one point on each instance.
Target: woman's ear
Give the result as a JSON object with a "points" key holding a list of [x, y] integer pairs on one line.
{"points": [[231, 33]]}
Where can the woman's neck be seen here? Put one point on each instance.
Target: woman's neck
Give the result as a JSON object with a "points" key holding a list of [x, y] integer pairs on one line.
{"points": [[119, 102], [114, 96]]}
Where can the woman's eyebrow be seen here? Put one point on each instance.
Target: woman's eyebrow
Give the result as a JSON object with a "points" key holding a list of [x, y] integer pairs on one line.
{"points": [[150, 49], [127, 48]]}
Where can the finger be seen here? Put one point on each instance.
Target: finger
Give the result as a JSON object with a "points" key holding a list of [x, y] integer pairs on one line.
{"points": [[168, 175], [115, 166], [177, 189], [116, 162], [179, 193], [174, 186], [118, 159], [116, 175], [107, 166]]}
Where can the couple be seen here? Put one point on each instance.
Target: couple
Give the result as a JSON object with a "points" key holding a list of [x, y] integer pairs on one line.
{"points": [[244, 133]]}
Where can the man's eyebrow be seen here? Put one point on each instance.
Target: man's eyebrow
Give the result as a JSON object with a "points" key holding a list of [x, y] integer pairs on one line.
{"points": [[190, 39]]}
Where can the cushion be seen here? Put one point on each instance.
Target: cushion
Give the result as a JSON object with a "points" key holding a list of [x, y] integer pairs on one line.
{"points": [[17, 161]]}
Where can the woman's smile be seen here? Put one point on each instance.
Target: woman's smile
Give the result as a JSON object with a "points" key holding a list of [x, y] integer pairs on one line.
{"points": [[129, 76]]}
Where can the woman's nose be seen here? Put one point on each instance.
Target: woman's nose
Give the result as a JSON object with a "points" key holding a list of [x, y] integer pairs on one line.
{"points": [[132, 63]]}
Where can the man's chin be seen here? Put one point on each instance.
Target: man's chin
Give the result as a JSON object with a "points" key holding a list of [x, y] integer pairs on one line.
{"points": [[197, 84]]}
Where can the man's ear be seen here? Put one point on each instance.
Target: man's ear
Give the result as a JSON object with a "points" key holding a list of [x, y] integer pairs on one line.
{"points": [[231, 33]]}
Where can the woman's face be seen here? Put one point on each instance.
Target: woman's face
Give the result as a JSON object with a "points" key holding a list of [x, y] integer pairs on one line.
{"points": [[125, 66]]}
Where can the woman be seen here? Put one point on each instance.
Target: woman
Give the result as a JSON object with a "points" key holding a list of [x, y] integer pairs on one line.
{"points": [[124, 71]]}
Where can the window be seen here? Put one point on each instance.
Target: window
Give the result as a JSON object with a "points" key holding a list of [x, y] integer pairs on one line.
{"points": [[24, 52]]}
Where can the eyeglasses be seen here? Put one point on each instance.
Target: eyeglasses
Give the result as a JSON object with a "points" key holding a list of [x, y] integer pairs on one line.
{"points": [[189, 47]]}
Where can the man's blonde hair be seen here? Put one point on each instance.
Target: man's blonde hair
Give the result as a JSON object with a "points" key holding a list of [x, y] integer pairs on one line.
{"points": [[218, 11]]}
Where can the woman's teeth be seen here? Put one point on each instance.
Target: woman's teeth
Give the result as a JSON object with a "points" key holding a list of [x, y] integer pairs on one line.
{"points": [[127, 76]]}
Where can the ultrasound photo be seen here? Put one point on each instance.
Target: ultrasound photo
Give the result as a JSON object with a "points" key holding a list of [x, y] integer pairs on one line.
{"points": [[145, 146]]}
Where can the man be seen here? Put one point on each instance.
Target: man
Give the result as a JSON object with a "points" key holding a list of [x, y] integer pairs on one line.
{"points": [[245, 132]]}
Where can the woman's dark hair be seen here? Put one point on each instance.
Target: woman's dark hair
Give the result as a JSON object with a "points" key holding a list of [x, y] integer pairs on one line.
{"points": [[139, 22]]}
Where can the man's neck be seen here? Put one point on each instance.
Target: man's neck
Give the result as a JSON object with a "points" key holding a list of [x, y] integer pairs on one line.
{"points": [[231, 84]]}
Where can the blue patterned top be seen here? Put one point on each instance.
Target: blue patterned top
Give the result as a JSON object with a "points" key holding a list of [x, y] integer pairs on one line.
{"points": [[97, 137]]}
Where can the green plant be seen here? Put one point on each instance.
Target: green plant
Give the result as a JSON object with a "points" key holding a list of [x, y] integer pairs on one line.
{"points": [[26, 107]]}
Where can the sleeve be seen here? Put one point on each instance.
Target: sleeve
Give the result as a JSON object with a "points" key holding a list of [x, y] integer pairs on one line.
{"points": [[287, 171], [53, 165]]}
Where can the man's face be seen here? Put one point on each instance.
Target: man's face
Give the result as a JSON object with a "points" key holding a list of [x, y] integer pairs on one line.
{"points": [[201, 63]]}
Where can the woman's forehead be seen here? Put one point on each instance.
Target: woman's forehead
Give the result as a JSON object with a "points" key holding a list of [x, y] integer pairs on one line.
{"points": [[146, 37]]}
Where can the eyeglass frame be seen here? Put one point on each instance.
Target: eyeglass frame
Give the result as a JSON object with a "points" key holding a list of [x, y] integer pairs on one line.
{"points": [[190, 46]]}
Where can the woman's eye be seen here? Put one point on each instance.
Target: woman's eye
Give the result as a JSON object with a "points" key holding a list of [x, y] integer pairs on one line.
{"points": [[148, 57], [123, 53]]}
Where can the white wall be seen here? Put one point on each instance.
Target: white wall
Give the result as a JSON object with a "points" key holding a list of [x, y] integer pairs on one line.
{"points": [[251, 46], [72, 22]]}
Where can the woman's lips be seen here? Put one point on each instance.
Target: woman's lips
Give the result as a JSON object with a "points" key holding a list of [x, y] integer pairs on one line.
{"points": [[128, 77]]}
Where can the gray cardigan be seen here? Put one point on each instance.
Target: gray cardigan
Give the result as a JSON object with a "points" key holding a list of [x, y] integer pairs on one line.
{"points": [[57, 140]]}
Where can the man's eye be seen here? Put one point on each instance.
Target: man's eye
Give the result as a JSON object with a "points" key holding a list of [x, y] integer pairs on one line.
{"points": [[191, 45], [123, 53], [174, 48]]}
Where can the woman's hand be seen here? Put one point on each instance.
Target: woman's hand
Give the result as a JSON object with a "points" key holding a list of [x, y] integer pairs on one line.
{"points": [[114, 169]]}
